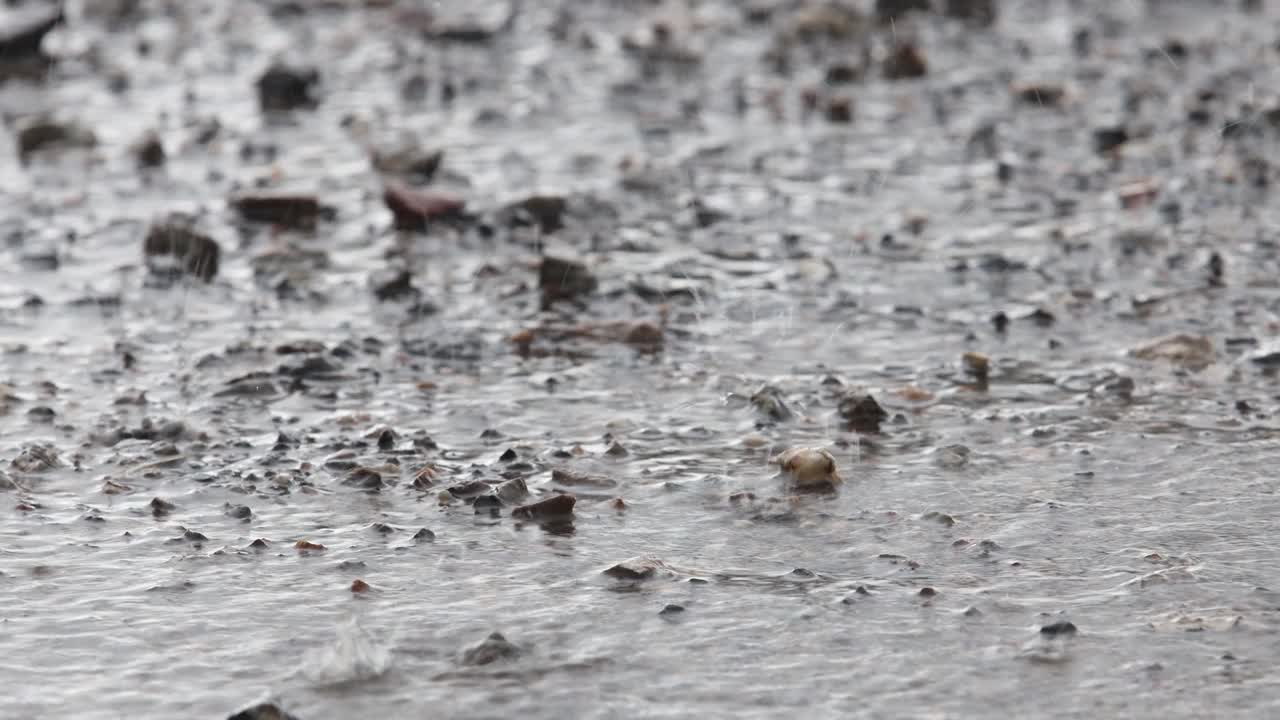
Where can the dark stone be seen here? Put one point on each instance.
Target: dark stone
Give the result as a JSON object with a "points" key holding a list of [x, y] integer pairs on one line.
{"points": [[1000, 322], [22, 40], [414, 210], [160, 508], [196, 254], [862, 412], [769, 402], [364, 479], [287, 88], [546, 211], [424, 535], [561, 279], [43, 133], [1107, 139], [412, 163], [887, 10], [298, 212], [265, 711], [470, 488], [554, 507], [1041, 317], [195, 537], [259, 544], [671, 609], [42, 414], [394, 285], [1061, 628], [239, 512], [928, 592], [386, 440], [487, 503], [149, 152], [839, 110], [904, 63], [507, 456], [491, 650], [978, 12]]}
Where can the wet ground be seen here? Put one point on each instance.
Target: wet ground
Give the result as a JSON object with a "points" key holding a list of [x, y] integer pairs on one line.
{"points": [[303, 306]]}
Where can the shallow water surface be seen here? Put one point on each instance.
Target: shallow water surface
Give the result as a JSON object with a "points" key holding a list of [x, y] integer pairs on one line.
{"points": [[153, 430]]}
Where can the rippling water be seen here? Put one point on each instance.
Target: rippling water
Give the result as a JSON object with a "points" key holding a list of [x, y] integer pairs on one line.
{"points": [[976, 517]]}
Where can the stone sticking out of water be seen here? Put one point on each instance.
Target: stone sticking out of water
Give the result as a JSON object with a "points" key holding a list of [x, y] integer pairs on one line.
{"points": [[1194, 352], [557, 507], [42, 134], [636, 569], [862, 413], [492, 649], [174, 240], [263, 711], [563, 279], [297, 212], [415, 210], [282, 88]]}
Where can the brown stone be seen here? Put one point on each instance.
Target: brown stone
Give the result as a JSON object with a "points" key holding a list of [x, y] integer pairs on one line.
{"points": [[554, 507], [414, 209]]}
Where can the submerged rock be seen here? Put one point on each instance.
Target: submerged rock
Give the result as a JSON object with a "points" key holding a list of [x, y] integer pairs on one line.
{"points": [[490, 650], [769, 402], [905, 62], [22, 41]]}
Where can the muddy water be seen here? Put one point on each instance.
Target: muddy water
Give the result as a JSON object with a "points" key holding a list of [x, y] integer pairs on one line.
{"points": [[1128, 494]]}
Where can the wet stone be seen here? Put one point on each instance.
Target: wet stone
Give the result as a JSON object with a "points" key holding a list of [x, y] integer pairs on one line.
{"points": [[770, 403], [862, 412], [671, 610], [637, 568], [45, 134], [1062, 628], [492, 649], [22, 39], [298, 212], [173, 240], [149, 151], [513, 491], [282, 87], [562, 279], [239, 512], [264, 711], [415, 210], [557, 507], [905, 62], [887, 10], [37, 459], [259, 544], [469, 489], [1107, 139], [364, 478], [160, 507], [978, 12], [487, 504], [387, 440], [394, 284], [424, 535], [545, 211], [569, 478], [410, 163]]}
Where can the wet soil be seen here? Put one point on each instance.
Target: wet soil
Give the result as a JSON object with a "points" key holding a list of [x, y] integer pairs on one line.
{"points": [[378, 357]]}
